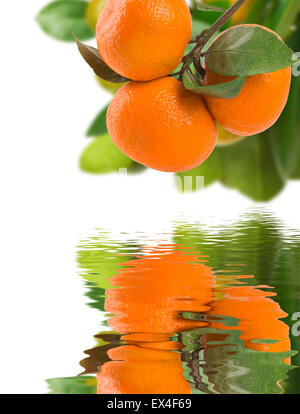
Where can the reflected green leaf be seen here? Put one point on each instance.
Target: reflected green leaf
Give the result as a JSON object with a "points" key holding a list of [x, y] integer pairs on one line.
{"points": [[73, 385], [237, 369], [101, 259]]}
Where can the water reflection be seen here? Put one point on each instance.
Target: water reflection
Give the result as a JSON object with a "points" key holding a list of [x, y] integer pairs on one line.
{"points": [[206, 311]]}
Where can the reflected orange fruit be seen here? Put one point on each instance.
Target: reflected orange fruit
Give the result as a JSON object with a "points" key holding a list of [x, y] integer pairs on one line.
{"points": [[258, 318], [154, 290], [136, 370]]}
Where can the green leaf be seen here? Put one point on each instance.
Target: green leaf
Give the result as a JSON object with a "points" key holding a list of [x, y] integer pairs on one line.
{"points": [[285, 133], [283, 16], [93, 59], [212, 16], [60, 19], [198, 26], [259, 12], [102, 156], [251, 167], [98, 126], [73, 385], [225, 90], [247, 51], [211, 171]]}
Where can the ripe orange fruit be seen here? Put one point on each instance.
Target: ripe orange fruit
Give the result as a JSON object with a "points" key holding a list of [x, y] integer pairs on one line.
{"points": [[257, 107], [143, 40], [162, 125]]}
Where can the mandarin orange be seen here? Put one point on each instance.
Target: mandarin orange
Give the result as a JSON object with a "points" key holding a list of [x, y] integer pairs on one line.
{"points": [[143, 40], [257, 107], [161, 125]]}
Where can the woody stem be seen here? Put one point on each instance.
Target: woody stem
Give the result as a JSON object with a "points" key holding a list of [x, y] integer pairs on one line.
{"points": [[204, 37]]}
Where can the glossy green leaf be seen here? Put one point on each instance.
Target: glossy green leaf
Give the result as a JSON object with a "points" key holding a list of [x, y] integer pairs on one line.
{"points": [[60, 19], [250, 167], [93, 59], [98, 126], [246, 51], [73, 385], [225, 90], [102, 156]]}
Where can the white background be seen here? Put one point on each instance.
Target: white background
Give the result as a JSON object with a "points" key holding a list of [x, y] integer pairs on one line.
{"points": [[48, 96]]}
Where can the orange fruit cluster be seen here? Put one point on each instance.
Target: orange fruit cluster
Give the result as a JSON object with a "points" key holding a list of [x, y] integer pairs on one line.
{"points": [[153, 119]]}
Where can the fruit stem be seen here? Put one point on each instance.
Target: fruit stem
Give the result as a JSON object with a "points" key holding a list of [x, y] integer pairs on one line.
{"points": [[208, 33], [204, 37]]}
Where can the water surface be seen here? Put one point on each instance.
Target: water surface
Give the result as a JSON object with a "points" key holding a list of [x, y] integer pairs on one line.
{"points": [[200, 310]]}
